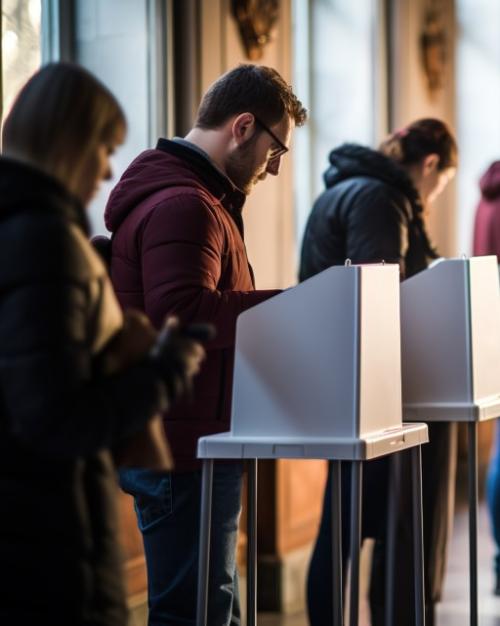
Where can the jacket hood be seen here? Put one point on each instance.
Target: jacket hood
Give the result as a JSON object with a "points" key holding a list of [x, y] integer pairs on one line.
{"points": [[171, 164], [490, 182], [352, 160], [24, 187]]}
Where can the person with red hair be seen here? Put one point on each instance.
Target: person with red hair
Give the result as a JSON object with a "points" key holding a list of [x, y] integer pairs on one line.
{"points": [[487, 219], [374, 209]]}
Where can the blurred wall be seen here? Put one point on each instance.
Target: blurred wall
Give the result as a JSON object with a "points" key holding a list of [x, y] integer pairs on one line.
{"points": [[410, 97]]}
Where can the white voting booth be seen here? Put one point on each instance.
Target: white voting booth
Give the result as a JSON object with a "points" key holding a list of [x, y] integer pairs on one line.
{"points": [[450, 331], [450, 325], [317, 375], [319, 365]]}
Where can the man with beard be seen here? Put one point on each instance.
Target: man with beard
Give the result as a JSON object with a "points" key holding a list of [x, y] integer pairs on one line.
{"points": [[177, 249]]}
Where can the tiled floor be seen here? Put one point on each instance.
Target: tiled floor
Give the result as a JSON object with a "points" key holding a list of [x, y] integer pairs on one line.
{"points": [[453, 611]]}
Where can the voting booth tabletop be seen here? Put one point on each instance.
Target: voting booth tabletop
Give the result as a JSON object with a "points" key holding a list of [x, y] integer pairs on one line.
{"points": [[374, 445], [226, 446]]}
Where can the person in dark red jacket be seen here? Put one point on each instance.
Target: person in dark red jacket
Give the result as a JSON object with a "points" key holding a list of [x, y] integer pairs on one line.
{"points": [[487, 219], [178, 249], [487, 241]]}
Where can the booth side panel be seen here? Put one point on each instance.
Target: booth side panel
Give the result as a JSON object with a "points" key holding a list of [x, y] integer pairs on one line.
{"points": [[295, 369], [485, 326], [380, 350], [435, 350]]}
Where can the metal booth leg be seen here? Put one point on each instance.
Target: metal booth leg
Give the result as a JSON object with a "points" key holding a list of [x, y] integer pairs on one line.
{"points": [[204, 549], [337, 589], [393, 496], [355, 539], [252, 544], [472, 484], [418, 535]]}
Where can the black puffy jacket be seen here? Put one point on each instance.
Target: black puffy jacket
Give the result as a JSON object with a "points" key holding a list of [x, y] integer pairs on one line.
{"points": [[369, 212], [59, 415]]}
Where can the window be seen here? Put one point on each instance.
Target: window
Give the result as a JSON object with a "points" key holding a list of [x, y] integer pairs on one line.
{"points": [[123, 43], [21, 45], [31, 36], [478, 103], [334, 73]]}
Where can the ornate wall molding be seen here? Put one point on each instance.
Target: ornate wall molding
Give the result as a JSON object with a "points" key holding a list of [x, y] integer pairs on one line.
{"points": [[433, 44], [255, 19]]}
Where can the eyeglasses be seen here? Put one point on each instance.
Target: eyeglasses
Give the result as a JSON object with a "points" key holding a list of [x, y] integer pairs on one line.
{"points": [[281, 149]]}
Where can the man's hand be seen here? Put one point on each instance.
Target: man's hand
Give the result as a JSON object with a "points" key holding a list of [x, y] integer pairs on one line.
{"points": [[177, 355]]}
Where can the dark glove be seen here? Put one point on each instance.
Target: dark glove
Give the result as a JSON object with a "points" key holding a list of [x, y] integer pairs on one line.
{"points": [[102, 245], [177, 355]]}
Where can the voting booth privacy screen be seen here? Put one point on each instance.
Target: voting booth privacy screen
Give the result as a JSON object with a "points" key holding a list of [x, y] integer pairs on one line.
{"points": [[450, 317], [322, 359]]}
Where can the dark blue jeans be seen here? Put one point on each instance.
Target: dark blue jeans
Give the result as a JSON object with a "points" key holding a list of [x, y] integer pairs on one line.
{"points": [[493, 496], [168, 512]]}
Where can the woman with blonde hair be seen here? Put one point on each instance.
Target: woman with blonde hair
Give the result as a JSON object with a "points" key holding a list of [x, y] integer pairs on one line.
{"points": [[76, 378]]}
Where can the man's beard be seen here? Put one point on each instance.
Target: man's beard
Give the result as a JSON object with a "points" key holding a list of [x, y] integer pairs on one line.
{"points": [[241, 169]]}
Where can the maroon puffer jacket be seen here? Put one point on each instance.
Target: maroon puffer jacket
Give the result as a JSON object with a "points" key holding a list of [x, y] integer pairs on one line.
{"points": [[487, 219], [177, 249]]}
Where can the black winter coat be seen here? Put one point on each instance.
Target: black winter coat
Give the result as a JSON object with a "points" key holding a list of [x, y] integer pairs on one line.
{"points": [[369, 212], [58, 415]]}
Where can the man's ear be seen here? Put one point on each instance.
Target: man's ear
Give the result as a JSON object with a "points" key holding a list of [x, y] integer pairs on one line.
{"points": [[430, 164], [243, 127]]}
